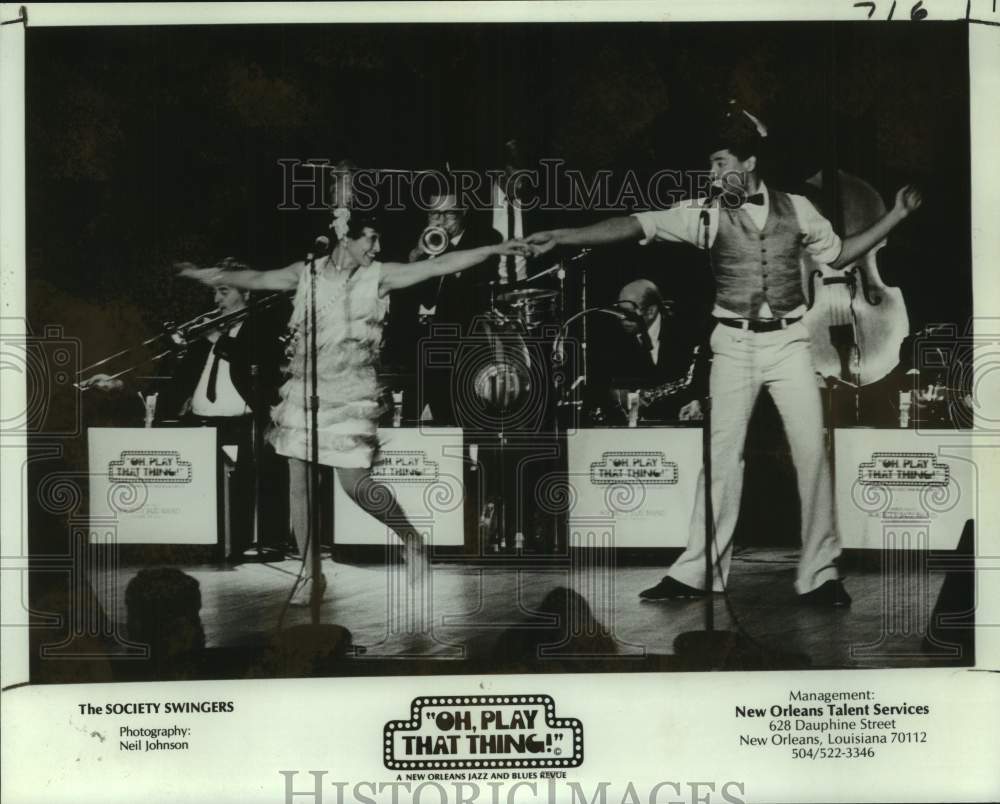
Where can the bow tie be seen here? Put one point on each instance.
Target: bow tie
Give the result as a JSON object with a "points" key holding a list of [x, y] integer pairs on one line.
{"points": [[756, 199]]}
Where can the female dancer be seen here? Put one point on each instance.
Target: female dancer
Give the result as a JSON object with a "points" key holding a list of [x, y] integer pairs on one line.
{"points": [[351, 304]]}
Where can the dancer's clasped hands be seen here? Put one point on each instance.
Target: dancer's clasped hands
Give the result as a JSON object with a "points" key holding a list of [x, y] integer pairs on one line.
{"points": [[515, 247]]}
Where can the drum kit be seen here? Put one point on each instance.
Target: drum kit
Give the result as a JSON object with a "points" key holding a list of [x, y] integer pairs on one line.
{"points": [[529, 308], [518, 367], [497, 372], [505, 362]]}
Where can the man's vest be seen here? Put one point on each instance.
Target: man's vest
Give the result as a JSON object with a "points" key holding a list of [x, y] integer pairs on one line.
{"points": [[752, 266]]}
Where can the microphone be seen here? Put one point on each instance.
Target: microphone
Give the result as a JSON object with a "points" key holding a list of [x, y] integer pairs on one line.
{"points": [[320, 247], [558, 351], [714, 191], [644, 338], [625, 314]]}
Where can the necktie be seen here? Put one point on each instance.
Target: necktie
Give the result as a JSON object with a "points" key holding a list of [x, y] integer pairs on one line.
{"points": [[509, 261], [213, 376], [736, 202], [651, 351]]}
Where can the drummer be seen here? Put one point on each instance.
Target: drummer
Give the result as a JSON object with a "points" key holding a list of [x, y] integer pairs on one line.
{"points": [[518, 208], [510, 214]]}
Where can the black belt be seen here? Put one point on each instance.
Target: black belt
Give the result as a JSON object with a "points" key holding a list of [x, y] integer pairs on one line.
{"points": [[760, 325]]}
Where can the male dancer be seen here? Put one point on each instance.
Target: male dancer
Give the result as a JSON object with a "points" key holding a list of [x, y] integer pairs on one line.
{"points": [[756, 237]]}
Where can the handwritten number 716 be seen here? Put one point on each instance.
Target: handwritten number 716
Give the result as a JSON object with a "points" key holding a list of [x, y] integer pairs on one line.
{"points": [[917, 12]]}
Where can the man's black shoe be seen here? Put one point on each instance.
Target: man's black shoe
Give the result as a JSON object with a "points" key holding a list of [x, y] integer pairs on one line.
{"points": [[669, 589], [830, 595]]}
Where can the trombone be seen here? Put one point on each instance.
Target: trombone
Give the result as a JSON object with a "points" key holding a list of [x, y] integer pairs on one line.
{"points": [[179, 336]]}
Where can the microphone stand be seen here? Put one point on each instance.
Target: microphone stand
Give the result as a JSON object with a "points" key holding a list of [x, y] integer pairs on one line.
{"points": [[315, 598], [706, 462], [584, 356], [558, 352], [561, 276], [711, 648], [257, 550]]}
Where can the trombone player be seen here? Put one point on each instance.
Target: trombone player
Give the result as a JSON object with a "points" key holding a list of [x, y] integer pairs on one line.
{"points": [[228, 380], [228, 377]]}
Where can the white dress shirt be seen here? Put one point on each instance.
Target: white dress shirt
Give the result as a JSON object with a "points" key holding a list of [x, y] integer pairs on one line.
{"points": [[500, 204], [654, 338], [682, 223], [228, 401]]}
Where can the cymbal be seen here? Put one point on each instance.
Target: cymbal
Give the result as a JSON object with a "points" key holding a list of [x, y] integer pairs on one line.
{"points": [[514, 296]]}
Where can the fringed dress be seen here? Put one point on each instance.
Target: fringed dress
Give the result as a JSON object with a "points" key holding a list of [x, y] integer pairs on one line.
{"points": [[349, 314]]}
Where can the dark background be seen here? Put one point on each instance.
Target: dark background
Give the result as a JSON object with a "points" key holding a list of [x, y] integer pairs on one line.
{"points": [[148, 146], [152, 145]]}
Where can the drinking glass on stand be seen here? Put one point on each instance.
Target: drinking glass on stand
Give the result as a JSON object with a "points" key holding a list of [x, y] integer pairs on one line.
{"points": [[633, 408], [397, 408]]}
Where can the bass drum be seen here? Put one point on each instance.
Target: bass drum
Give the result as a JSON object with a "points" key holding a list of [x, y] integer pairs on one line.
{"points": [[500, 381]]}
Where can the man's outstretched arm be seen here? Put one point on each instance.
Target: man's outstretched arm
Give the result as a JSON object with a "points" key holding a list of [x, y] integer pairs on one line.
{"points": [[908, 201], [611, 230]]}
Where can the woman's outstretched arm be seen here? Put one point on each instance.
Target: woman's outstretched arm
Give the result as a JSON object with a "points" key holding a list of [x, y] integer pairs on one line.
{"points": [[286, 278], [398, 275]]}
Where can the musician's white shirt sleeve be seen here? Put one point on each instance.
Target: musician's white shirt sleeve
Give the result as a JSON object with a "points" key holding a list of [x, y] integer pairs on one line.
{"points": [[682, 223], [819, 239]]}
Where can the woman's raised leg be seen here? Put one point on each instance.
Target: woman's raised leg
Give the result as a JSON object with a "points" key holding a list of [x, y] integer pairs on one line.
{"points": [[379, 500]]}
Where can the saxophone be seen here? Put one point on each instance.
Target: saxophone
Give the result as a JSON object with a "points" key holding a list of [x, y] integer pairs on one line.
{"points": [[647, 396]]}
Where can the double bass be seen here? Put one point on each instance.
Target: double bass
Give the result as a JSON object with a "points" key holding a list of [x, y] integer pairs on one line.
{"points": [[856, 322]]}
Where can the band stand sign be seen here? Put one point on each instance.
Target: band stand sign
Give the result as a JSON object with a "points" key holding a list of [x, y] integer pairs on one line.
{"points": [[159, 486]]}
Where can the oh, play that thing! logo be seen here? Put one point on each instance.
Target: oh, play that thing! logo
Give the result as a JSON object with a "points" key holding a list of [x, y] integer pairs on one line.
{"points": [[149, 466], [504, 731], [633, 467], [904, 469], [405, 466]]}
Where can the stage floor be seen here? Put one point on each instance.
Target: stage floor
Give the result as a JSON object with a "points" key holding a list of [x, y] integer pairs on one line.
{"points": [[478, 612]]}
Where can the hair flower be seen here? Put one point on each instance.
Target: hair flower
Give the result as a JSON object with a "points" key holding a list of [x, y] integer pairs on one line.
{"points": [[341, 216]]}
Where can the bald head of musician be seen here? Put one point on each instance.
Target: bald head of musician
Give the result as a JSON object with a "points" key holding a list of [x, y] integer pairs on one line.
{"points": [[643, 298]]}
